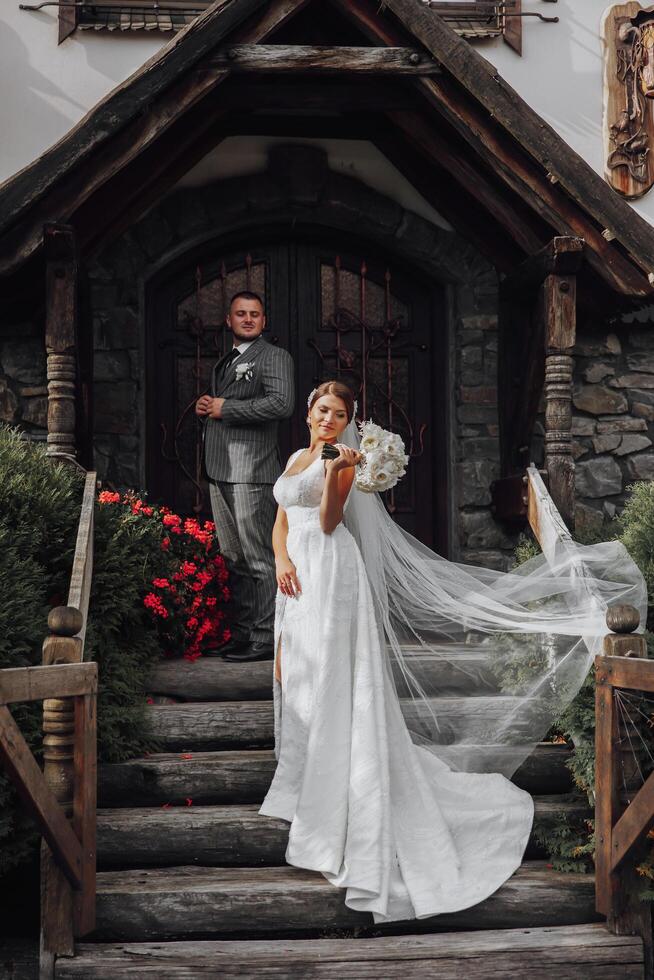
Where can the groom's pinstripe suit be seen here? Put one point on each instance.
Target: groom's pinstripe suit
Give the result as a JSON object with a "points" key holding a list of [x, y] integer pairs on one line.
{"points": [[242, 462]]}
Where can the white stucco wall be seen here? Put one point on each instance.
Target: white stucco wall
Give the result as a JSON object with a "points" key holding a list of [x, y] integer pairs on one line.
{"points": [[47, 88]]}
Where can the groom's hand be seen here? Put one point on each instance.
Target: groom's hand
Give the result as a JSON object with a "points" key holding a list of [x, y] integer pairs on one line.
{"points": [[203, 405], [206, 405]]}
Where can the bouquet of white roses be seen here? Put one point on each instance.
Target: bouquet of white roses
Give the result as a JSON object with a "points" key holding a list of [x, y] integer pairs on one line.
{"points": [[384, 459]]}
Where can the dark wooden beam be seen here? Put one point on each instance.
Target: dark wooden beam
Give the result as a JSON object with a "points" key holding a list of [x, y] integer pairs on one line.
{"points": [[539, 140], [466, 171], [272, 58], [458, 97], [562, 255], [134, 115]]}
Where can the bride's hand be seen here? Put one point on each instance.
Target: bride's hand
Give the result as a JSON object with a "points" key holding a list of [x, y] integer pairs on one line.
{"points": [[287, 579], [347, 457]]}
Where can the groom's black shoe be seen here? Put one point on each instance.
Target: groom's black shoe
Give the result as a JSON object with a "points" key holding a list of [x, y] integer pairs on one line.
{"points": [[234, 645], [254, 651]]}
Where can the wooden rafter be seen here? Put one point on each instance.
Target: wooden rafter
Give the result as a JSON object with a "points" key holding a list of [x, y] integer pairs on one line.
{"points": [[516, 167], [165, 96], [479, 79], [466, 171], [519, 147]]}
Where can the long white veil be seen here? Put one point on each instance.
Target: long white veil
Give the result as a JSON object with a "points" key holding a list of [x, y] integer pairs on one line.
{"points": [[484, 661]]}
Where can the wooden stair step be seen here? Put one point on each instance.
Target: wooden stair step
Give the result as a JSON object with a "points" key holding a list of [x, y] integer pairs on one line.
{"points": [[213, 725], [213, 679], [249, 724], [205, 777], [244, 777], [222, 835], [190, 901], [553, 953]]}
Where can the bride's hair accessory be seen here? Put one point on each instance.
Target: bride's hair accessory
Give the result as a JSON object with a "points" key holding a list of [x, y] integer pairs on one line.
{"points": [[338, 388]]}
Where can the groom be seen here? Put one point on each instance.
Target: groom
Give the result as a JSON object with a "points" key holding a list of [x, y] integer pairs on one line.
{"points": [[252, 388]]}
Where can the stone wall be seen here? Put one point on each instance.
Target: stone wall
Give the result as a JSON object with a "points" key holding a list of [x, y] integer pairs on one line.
{"points": [[613, 420], [23, 392], [482, 540]]}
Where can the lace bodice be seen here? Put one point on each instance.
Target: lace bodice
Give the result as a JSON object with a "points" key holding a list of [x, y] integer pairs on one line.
{"points": [[300, 493]]}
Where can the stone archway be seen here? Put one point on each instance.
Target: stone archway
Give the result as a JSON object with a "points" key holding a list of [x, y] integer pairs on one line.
{"points": [[299, 191]]}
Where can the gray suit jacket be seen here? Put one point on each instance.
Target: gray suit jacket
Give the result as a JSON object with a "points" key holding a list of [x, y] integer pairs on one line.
{"points": [[241, 447]]}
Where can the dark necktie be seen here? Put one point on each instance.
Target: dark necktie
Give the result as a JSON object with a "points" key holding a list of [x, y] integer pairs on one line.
{"points": [[229, 360]]}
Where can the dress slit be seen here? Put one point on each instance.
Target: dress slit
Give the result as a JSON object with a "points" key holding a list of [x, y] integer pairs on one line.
{"points": [[278, 660]]}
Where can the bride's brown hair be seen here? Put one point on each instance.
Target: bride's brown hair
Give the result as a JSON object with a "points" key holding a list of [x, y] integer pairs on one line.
{"points": [[338, 389]]}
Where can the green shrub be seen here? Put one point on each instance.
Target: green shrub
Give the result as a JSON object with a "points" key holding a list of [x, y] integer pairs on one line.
{"points": [[39, 512]]}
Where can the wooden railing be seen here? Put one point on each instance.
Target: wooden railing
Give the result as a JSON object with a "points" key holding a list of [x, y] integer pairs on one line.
{"points": [[620, 824], [624, 810], [67, 786]]}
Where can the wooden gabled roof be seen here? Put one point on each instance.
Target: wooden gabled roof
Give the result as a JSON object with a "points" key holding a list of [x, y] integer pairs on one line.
{"points": [[477, 150]]}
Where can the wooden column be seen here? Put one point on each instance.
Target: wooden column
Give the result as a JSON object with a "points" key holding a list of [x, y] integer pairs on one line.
{"points": [[57, 911], [60, 338], [538, 308], [558, 303]]}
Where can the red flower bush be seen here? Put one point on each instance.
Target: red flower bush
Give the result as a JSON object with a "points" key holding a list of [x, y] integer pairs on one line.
{"points": [[187, 600]]}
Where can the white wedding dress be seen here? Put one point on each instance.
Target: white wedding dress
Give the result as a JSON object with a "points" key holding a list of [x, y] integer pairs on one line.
{"points": [[378, 815]]}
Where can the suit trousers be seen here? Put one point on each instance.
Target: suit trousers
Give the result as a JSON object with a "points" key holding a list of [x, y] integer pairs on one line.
{"points": [[244, 514]]}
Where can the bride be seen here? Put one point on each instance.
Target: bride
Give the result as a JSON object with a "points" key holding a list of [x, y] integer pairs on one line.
{"points": [[388, 794]]}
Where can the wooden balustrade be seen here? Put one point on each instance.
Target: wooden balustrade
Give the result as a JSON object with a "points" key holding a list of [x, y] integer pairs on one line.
{"points": [[624, 812], [63, 915], [62, 798], [620, 824], [71, 849]]}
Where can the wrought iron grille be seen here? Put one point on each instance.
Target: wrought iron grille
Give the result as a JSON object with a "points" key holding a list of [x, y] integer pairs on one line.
{"points": [[365, 339], [469, 18]]}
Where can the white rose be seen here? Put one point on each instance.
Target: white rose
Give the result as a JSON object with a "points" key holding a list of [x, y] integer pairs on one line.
{"points": [[369, 442]]}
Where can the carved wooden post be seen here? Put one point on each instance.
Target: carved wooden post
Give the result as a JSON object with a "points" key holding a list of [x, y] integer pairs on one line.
{"points": [[61, 647], [617, 777], [60, 338], [558, 302]]}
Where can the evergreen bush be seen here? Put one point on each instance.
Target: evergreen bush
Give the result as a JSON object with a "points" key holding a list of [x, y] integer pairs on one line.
{"points": [[39, 513]]}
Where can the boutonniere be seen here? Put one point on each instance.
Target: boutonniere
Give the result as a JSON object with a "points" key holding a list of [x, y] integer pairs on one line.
{"points": [[244, 371]]}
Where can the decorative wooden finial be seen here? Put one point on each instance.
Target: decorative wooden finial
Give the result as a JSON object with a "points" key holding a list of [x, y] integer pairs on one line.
{"points": [[65, 621], [622, 618]]}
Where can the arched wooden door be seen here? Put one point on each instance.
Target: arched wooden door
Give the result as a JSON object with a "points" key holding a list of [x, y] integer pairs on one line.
{"points": [[340, 313]]}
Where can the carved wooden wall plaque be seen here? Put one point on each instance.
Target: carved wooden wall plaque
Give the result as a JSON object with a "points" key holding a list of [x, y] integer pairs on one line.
{"points": [[628, 33]]}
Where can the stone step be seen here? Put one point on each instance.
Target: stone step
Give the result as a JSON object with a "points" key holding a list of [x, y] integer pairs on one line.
{"points": [[225, 835], [195, 902], [249, 724], [213, 679], [244, 777], [552, 953]]}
